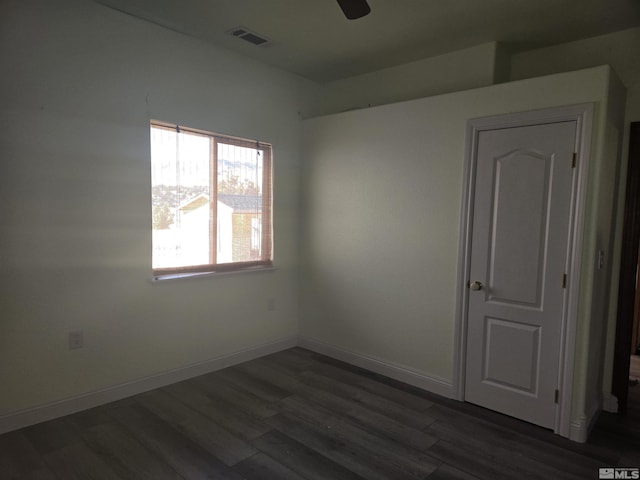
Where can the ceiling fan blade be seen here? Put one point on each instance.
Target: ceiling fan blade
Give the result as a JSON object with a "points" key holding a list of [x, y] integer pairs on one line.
{"points": [[354, 8]]}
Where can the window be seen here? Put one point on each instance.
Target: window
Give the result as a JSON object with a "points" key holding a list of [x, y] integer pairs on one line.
{"points": [[211, 201]]}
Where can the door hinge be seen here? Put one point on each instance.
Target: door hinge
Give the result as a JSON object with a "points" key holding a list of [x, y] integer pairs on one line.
{"points": [[556, 396], [564, 280], [574, 159]]}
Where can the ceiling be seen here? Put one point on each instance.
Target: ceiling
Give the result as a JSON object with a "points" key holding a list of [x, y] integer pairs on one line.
{"points": [[312, 38]]}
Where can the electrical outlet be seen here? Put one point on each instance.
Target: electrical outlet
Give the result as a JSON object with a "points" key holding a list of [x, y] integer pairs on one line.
{"points": [[76, 339], [271, 304]]}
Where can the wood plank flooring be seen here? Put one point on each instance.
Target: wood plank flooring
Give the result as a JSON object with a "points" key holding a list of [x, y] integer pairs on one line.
{"points": [[299, 415]]}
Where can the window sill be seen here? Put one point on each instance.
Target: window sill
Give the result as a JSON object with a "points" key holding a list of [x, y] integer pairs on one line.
{"points": [[193, 276]]}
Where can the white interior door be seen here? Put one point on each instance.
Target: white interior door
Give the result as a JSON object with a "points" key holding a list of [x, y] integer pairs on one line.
{"points": [[519, 245]]}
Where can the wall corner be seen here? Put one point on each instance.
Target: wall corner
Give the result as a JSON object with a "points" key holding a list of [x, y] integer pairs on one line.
{"points": [[501, 63]]}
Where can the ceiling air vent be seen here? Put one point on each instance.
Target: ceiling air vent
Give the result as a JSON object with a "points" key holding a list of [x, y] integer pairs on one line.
{"points": [[248, 36]]}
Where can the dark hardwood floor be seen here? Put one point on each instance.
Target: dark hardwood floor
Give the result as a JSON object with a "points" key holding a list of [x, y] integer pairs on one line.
{"points": [[300, 415]]}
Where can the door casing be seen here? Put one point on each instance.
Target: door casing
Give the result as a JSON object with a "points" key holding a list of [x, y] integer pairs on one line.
{"points": [[583, 115], [628, 273]]}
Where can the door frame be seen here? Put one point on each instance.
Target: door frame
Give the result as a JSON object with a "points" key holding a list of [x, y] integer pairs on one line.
{"points": [[582, 114], [627, 278]]}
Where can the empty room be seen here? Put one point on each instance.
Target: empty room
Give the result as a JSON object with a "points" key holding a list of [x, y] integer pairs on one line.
{"points": [[319, 239]]}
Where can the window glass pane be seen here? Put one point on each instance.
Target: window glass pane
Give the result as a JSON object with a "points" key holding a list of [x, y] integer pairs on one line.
{"points": [[180, 198], [239, 203]]}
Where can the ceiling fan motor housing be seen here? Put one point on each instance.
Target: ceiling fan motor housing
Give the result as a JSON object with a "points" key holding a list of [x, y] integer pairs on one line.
{"points": [[354, 9]]}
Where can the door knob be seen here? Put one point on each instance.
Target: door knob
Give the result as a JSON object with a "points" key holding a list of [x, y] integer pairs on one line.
{"points": [[475, 286]]}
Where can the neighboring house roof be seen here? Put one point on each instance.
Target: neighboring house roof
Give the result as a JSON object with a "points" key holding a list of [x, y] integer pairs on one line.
{"points": [[242, 203], [239, 203], [194, 203]]}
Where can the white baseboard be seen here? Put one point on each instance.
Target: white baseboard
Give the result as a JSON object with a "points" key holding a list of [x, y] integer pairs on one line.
{"points": [[610, 403], [42, 413], [578, 432], [418, 379], [580, 428]]}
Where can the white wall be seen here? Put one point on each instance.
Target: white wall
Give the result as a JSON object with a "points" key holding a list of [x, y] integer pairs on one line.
{"points": [[79, 84], [633, 103], [596, 283], [383, 189], [460, 70], [619, 49]]}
